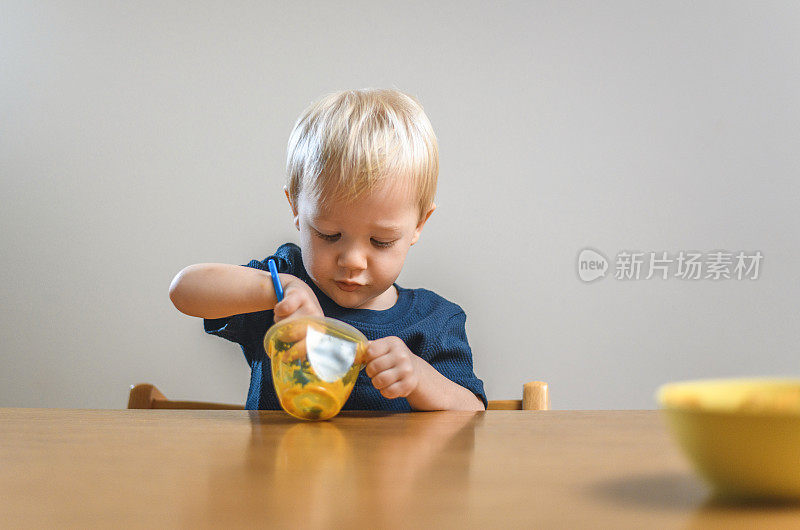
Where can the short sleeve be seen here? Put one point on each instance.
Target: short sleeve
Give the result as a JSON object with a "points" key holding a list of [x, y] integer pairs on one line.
{"points": [[240, 329], [453, 356]]}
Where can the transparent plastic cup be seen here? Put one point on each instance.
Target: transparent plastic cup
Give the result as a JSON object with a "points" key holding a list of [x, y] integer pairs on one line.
{"points": [[315, 363]]}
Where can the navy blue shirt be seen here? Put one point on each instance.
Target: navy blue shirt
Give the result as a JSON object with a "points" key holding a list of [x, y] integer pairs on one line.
{"points": [[431, 327]]}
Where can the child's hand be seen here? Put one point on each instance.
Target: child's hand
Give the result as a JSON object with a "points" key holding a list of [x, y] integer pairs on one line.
{"points": [[394, 370], [298, 300]]}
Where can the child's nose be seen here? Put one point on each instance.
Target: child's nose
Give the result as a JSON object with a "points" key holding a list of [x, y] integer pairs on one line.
{"points": [[352, 258]]}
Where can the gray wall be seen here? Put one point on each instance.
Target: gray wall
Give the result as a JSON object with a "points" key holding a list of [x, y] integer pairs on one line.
{"points": [[138, 138]]}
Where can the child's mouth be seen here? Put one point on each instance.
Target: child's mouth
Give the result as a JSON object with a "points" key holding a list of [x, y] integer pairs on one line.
{"points": [[348, 287]]}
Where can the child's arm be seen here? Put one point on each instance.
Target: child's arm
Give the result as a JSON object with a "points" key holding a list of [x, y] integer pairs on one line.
{"points": [[217, 290], [436, 392], [397, 372]]}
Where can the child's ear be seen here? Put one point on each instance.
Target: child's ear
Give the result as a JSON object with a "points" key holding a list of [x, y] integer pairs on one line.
{"points": [[293, 207], [418, 230]]}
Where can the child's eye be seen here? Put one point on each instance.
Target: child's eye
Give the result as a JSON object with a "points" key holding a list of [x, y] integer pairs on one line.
{"points": [[327, 237], [383, 244], [331, 238]]}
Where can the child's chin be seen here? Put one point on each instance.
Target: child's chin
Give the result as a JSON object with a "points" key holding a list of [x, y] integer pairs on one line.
{"points": [[350, 302], [344, 299]]}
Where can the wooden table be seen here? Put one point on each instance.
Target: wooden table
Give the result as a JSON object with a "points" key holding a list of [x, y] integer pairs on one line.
{"points": [[161, 468]]}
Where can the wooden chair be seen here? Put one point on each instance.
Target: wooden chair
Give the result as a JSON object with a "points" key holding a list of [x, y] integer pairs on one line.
{"points": [[146, 396]]}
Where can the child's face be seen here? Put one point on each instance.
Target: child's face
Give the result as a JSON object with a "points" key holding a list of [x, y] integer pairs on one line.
{"points": [[355, 251]]}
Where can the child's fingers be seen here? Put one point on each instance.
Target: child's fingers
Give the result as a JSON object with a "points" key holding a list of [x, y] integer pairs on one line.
{"points": [[307, 309], [286, 307], [386, 378], [395, 390], [297, 351], [292, 331], [379, 364], [295, 306], [376, 348]]}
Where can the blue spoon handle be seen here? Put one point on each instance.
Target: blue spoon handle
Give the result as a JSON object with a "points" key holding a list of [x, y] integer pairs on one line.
{"points": [[276, 282]]}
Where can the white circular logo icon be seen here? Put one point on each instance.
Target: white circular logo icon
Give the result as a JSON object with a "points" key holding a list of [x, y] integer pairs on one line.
{"points": [[591, 265]]}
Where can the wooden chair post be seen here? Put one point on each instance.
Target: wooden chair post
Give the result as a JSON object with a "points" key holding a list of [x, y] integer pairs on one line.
{"points": [[535, 396], [143, 395]]}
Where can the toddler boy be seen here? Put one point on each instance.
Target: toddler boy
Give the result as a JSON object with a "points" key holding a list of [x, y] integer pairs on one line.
{"points": [[362, 171]]}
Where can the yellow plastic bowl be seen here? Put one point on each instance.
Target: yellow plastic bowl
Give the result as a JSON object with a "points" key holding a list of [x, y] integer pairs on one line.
{"points": [[742, 435]]}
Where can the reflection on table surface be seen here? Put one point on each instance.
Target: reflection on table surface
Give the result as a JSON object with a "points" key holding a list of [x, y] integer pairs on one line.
{"points": [[560, 469]]}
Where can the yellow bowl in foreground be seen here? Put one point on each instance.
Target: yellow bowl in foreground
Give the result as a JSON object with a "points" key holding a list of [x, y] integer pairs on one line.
{"points": [[742, 435]]}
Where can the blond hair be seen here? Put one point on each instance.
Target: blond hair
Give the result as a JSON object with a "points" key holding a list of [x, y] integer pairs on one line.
{"points": [[351, 142]]}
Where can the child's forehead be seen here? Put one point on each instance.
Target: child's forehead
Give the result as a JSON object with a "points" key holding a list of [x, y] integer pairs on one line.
{"points": [[384, 211]]}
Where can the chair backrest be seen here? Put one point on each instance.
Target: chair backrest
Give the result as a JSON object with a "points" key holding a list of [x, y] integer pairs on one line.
{"points": [[535, 396]]}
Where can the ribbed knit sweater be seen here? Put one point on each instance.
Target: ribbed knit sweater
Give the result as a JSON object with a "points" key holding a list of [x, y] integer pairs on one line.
{"points": [[432, 328]]}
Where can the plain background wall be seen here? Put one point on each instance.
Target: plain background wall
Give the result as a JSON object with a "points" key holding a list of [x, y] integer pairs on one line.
{"points": [[138, 138]]}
